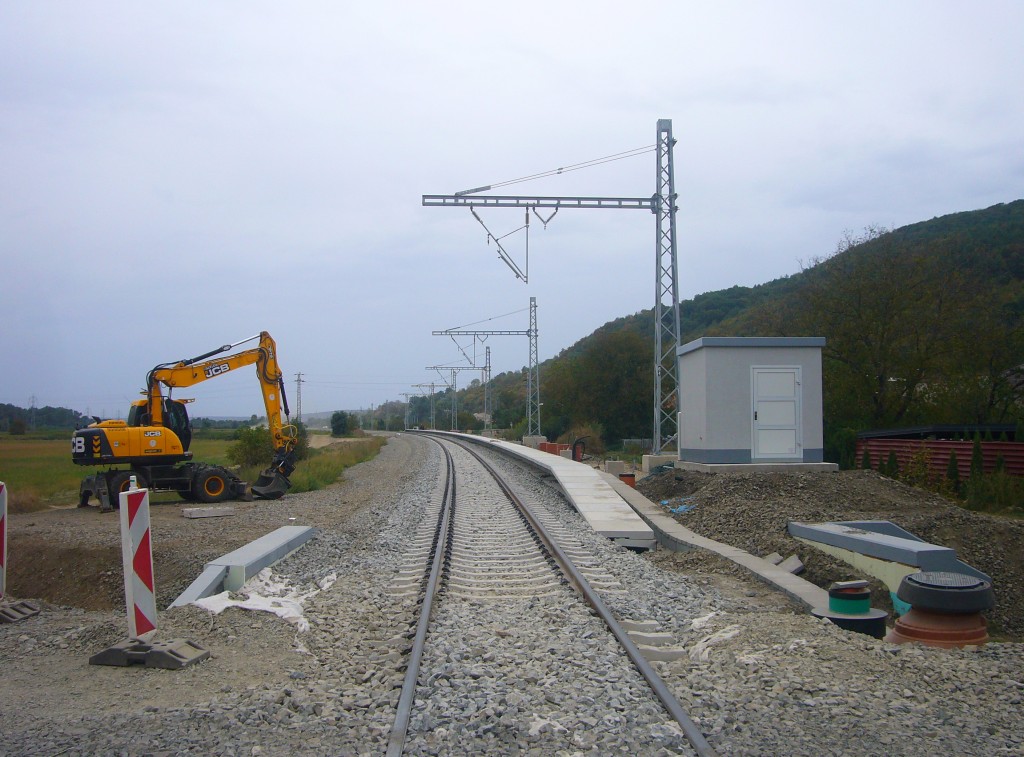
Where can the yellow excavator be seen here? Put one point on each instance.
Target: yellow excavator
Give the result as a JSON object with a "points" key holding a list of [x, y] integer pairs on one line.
{"points": [[153, 443]]}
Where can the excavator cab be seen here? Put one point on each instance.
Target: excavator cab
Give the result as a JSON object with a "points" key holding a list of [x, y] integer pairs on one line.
{"points": [[176, 419]]}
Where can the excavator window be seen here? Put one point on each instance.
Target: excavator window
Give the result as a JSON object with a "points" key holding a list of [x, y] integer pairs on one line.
{"points": [[176, 419]]}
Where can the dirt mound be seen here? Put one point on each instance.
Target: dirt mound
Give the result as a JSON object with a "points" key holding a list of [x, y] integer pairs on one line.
{"points": [[751, 511]]}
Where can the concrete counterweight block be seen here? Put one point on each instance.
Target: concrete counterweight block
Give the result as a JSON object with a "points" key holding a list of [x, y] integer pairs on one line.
{"points": [[945, 610]]}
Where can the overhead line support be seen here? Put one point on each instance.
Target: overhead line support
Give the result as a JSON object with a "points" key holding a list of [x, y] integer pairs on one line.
{"points": [[666, 296], [513, 201]]}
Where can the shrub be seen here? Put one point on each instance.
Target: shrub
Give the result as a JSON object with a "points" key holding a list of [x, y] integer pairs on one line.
{"points": [[977, 461], [593, 433], [953, 473], [917, 472], [891, 467], [254, 447]]}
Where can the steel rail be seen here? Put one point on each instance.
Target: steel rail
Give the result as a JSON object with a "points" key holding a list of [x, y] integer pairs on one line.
{"points": [[403, 713], [668, 700], [396, 742]]}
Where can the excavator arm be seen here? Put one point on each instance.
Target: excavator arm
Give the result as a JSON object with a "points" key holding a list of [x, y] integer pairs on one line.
{"points": [[273, 482]]}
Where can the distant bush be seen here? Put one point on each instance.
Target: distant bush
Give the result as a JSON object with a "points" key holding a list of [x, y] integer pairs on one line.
{"points": [[592, 433], [254, 447]]}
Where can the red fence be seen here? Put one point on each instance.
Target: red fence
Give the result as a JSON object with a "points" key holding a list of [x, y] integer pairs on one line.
{"points": [[553, 448], [939, 452]]}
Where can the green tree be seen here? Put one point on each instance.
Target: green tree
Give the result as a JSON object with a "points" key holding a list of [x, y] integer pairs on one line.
{"points": [[339, 423], [953, 472], [888, 313], [254, 446], [977, 459]]}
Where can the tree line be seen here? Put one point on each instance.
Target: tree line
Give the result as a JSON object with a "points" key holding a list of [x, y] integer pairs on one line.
{"points": [[923, 325]]}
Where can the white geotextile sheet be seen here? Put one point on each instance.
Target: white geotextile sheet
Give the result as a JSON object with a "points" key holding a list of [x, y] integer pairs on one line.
{"points": [[268, 593]]}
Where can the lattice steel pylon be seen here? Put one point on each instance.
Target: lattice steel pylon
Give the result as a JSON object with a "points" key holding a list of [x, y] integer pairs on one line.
{"points": [[424, 386], [533, 372], [533, 377], [666, 297], [666, 306]]}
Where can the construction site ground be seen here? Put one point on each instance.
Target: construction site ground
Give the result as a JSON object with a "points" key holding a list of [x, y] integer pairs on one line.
{"points": [[751, 511]]}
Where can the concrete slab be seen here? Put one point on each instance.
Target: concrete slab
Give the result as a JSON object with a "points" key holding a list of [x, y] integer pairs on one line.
{"points": [[210, 582], [207, 512], [653, 461], [229, 572], [247, 561], [585, 488], [885, 543], [614, 467], [678, 538]]}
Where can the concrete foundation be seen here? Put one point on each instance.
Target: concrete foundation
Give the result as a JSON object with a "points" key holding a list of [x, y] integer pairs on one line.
{"points": [[758, 467], [653, 461]]}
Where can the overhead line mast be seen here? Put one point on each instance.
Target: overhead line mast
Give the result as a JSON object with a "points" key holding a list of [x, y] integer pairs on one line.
{"points": [[533, 373], [666, 293]]}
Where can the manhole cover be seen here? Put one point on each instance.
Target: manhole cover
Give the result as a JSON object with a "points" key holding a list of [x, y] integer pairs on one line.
{"points": [[941, 591], [945, 580]]}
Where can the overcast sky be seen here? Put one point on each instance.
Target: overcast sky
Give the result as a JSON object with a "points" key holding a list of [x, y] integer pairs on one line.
{"points": [[176, 176]]}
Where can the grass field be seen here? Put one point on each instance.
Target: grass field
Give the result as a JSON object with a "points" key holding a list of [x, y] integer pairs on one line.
{"points": [[38, 471]]}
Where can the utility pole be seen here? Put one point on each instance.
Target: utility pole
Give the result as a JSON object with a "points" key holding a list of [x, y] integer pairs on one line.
{"points": [[408, 407], [533, 372], [454, 369], [487, 389], [298, 397], [666, 301], [424, 386]]}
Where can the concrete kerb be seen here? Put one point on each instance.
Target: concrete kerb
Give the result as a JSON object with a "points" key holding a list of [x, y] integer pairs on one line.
{"points": [[229, 572], [678, 538]]}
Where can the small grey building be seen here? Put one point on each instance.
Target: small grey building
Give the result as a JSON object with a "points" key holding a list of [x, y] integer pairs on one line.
{"points": [[751, 401]]}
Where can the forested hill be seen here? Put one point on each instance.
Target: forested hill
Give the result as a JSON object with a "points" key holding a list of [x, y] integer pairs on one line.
{"points": [[923, 325]]}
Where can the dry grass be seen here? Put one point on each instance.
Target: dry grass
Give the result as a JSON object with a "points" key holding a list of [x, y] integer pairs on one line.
{"points": [[39, 473]]}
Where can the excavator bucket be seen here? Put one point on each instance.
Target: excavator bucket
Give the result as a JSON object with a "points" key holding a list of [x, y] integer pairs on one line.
{"points": [[272, 484]]}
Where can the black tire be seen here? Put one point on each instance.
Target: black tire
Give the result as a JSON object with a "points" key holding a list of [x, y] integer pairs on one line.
{"points": [[211, 485], [117, 482]]}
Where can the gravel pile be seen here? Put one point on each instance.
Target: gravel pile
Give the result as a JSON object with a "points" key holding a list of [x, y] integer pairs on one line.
{"points": [[751, 511], [757, 677]]}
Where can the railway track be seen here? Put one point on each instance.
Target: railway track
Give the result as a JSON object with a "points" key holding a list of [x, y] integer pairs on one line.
{"points": [[485, 559]]}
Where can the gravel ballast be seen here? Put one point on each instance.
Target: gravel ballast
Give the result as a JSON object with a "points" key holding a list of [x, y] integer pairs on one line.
{"points": [[757, 676]]}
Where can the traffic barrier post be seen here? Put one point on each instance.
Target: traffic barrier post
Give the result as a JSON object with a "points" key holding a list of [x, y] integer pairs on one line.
{"points": [[3, 540], [140, 596], [137, 558], [9, 611]]}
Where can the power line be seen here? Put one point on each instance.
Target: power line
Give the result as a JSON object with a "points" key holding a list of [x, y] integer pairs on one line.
{"points": [[565, 169]]}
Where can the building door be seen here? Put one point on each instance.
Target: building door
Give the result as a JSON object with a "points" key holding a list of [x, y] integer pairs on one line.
{"points": [[776, 411]]}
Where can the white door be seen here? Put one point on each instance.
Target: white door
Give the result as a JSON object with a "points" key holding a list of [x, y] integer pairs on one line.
{"points": [[776, 411]]}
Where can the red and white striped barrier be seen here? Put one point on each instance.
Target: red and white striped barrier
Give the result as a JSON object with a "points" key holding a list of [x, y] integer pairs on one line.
{"points": [[140, 597], [3, 540], [137, 558]]}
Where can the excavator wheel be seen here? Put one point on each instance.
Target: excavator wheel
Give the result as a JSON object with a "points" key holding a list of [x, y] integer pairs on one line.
{"points": [[120, 481], [211, 485]]}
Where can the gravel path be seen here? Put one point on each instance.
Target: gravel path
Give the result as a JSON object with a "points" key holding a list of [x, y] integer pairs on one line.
{"points": [[757, 677]]}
